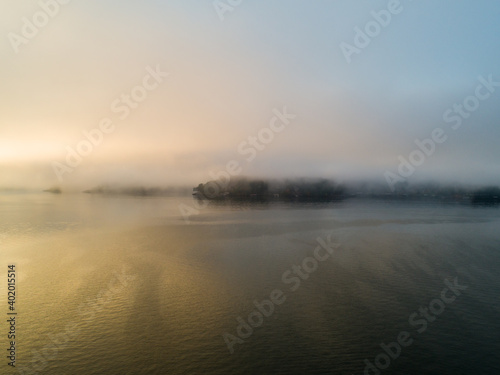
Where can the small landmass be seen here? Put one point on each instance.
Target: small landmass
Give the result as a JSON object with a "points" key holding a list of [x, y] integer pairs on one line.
{"points": [[53, 190], [138, 191]]}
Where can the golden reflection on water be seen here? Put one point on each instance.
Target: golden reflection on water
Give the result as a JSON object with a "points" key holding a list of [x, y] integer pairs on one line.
{"points": [[74, 278]]}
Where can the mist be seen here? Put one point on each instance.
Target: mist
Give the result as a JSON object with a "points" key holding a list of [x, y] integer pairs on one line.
{"points": [[168, 95]]}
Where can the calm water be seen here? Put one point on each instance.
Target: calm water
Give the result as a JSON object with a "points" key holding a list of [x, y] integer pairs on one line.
{"points": [[123, 285]]}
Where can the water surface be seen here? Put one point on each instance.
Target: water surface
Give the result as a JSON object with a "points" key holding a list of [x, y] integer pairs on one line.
{"points": [[124, 285]]}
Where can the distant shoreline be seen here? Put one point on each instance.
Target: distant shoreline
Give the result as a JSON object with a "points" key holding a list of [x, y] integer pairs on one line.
{"points": [[322, 190]]}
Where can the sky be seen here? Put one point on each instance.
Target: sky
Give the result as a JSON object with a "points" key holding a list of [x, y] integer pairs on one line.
{"points": [[359, 83]]}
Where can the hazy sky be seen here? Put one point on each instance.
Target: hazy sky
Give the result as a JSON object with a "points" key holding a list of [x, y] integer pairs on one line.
{"points": [[230, 71]]}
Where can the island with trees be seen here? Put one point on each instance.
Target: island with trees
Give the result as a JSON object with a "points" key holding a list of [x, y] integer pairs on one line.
{"points": [[325, 190]]}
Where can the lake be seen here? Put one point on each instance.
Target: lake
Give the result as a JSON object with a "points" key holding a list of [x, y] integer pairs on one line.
{"points": [[126, 285]]}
